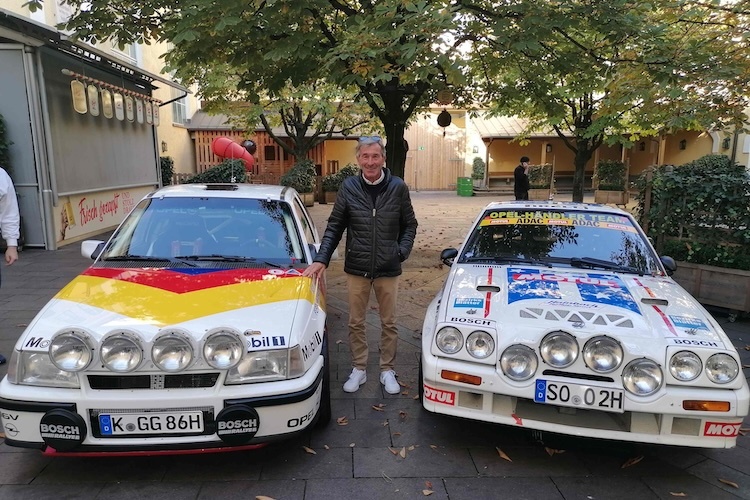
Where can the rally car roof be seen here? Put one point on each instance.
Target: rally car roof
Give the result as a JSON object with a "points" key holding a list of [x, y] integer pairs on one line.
{"points": [[227, 190], [553, 205]]}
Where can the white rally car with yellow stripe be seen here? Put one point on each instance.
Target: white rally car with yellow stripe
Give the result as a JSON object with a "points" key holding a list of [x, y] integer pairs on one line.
{"points": [[193, 330], [560, 317]]}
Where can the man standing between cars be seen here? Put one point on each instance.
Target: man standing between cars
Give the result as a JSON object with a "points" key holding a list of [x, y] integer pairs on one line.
{"points": [[521, 179], [9, 221], [375, 210]]}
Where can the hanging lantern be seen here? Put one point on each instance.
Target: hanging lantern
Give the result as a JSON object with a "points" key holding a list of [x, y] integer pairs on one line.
{"points": [[444, 119], [444, 97]]}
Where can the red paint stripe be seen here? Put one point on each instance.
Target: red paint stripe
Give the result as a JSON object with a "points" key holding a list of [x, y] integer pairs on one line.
{"points": [[177, 282], [49, 451], [488, 298], [666, 320], [648, 290]]}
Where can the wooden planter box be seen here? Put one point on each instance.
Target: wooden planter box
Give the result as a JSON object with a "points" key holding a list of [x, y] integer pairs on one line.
{"points": [[611, 197], [331, 196], [715, 286], [308, 199], [539, 194]]}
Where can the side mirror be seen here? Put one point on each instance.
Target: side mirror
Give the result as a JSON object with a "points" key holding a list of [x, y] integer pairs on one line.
{"points": [[669, 264], [448, 255], [91, 249]]}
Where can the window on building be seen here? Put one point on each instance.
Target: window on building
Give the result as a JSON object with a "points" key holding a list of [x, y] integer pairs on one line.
{"points": [[269, 153], [179, 108]]}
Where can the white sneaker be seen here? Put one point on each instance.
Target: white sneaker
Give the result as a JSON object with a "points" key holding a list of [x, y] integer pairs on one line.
{"points": [[388, 379], [357, 378]]}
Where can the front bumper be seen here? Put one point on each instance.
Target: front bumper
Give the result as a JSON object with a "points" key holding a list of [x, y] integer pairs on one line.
{"points": [[659, 421], [233, 417]]}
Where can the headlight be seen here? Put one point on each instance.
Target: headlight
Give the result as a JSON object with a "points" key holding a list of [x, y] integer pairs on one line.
{"points": [[172, 352], [264, 366], [121, 352], [35, 368], [519, 362], [223, 349], [642, 377], [480, 344], [685, 366], [602, 354], [722, 368], [449, 340], [70, 350], [559, 349]]}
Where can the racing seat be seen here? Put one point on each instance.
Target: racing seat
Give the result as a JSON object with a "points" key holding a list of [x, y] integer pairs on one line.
{"points": [[184, 235]]}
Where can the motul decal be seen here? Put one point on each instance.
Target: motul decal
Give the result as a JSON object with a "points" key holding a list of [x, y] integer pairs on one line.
{"points": [[438, 396], [721, 429]]}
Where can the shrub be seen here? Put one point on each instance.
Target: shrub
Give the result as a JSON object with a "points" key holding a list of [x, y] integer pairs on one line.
{"points": [[226, 171], [540, 176], [611, 175], [698, 211], [332, 182], [301, 177], [167, 170], [477, 169]]}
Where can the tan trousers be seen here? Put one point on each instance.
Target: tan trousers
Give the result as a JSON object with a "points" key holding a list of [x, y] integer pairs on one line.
{"points": [[386, 291]]}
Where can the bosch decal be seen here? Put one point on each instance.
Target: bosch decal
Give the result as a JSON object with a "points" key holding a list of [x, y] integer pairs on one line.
{"points": [[438, 396], [720, 429], [701, 343], [688, 322], [472, 321], [469, 302]]}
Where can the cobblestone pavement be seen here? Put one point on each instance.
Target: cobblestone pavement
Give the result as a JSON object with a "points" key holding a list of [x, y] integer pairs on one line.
{"points": [[451, 458]]}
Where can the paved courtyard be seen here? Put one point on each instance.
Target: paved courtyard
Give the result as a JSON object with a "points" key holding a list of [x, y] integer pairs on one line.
{"points": [[377, 446]]}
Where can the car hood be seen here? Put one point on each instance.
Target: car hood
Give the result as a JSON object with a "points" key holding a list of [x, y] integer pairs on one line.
{"points": [[263, 302], [526, 301]]}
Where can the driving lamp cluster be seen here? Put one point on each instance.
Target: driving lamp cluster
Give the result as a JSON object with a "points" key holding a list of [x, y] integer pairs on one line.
{"points": [[122, 352], [74, 350], [479, 344], [720, 368]]}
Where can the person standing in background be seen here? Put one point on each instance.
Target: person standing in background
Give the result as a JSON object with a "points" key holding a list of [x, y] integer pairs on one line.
{"points": [[10, 221], [375, 210], [521, 179]]}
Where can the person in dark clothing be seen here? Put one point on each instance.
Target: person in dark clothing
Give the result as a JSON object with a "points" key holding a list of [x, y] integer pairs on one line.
{"points": [[521, 179], [375, 210]]}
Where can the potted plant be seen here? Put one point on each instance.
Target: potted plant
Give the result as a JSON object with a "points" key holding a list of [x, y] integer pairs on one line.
{"points": [[332, 182], [477, 171], [610, 182], [302, 178], [540, 181]]}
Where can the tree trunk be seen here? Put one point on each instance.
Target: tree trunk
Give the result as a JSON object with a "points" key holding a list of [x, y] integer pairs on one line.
{"points": [[395, 148], [583, 155]]}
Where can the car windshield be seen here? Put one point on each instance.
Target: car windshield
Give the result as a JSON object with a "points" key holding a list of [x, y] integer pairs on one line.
{"points": [[582, 239], [190, 230]]}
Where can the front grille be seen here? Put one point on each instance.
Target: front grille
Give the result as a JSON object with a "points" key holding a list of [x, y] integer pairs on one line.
{"points": [[173, 381]]}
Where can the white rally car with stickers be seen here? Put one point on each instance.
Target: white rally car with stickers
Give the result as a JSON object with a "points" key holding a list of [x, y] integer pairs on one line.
{"points": [[560, 317], [194, 330]]}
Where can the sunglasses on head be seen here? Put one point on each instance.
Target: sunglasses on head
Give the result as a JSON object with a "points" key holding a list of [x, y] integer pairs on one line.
{"points": [[370, 139]]}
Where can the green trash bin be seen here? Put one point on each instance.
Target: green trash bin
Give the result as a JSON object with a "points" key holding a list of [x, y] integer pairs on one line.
{"points": [[465, 186]]}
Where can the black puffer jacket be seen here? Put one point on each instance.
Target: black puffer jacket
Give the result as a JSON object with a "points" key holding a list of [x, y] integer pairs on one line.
{"points": [[378, 237]]}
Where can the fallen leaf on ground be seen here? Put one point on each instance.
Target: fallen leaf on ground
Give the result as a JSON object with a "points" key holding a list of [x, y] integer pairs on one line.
{"points": [[730, 483], [2, 435], [351, 445], [263, 497], [378, 407], [631, 461], [416, 397], [385, 423], [412, 447], [339, 341], [552, 451], [502, 454], [428, 484], [393, 450], [22, 325], [326, 447], [677, 494], [396, 433], [309, 450], [427, 492], [402, 453], [402, 414], [342, 421]]}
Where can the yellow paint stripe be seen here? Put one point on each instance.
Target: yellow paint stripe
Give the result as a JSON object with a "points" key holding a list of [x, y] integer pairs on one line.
{"points": [[157, 306]]}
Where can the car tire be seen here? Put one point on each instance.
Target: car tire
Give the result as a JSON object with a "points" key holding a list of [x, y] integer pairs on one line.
{"points": [[324, 412]]}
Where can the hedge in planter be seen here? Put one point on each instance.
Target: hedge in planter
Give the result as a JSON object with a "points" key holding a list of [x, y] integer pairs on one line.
{"points": [[226, 171], [540, 176], [332, 182], [301, 177], [610, 175]]}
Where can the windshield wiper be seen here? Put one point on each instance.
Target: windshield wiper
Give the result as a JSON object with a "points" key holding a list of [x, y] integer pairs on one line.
{"points": [[592, 263], [509, 259], [226, 258], [148, 258]]}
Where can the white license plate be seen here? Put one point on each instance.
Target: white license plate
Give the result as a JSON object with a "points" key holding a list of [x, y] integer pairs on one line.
{"points": [[588, 397], [173, 422]]}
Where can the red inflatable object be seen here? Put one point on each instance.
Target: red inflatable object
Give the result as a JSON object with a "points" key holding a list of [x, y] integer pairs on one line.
{"points": [[224, 147]]}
